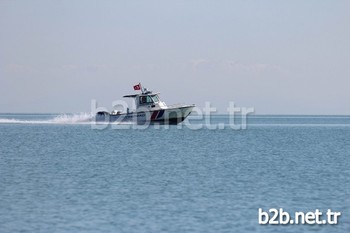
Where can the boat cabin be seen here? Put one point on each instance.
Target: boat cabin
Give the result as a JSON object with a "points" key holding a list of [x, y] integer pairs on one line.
{"points": [[147, 100]]}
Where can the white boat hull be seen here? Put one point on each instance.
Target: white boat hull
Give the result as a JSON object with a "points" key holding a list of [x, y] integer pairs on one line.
{"points": [[169, 115]]}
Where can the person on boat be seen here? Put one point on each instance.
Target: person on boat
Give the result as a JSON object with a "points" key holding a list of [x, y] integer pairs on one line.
{"points": [[142, 99]]}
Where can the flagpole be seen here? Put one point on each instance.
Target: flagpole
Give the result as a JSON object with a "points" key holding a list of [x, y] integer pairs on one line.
{"points": [[141, 88]]}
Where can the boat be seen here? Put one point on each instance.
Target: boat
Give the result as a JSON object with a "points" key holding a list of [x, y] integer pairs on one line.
{"points": [[149, 109]]}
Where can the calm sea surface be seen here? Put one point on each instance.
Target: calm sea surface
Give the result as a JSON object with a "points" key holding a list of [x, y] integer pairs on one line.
{"points": [[59, 175]]}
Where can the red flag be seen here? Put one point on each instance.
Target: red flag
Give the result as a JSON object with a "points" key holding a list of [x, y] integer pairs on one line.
{"points": [[137, 87]]}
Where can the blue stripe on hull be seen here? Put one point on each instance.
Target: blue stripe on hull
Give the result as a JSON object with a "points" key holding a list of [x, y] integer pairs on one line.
{"points": [[160, 114]]}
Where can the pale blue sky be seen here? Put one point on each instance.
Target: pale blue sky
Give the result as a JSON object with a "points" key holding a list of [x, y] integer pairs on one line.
{"points": [[288, 57]]}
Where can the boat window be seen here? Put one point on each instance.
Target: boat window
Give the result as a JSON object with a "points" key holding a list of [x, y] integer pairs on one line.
{"points": [[142, 99], [146, 100], [149, 99], [155, 99]]}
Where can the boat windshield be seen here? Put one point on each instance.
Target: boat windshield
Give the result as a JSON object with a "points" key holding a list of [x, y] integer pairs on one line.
{"points": [[146, 100], [155, 98]]}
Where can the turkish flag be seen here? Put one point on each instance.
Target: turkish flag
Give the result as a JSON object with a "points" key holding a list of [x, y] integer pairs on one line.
{"points": [[137, 87]]}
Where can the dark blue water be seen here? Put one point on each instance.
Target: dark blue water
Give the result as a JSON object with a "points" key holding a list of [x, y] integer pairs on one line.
{"points": [[61, 176]]}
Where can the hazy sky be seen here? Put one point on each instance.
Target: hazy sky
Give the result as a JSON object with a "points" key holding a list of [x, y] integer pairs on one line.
{"points": [[276, 56]]}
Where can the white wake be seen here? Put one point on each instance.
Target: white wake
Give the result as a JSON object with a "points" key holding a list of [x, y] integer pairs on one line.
{"points": [[81, 118]]}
